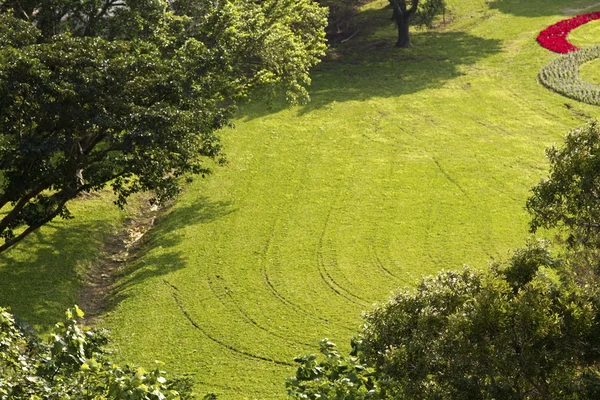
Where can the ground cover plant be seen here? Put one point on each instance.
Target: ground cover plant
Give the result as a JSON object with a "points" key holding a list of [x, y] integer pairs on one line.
{"points": [[562, 76], [554, 37], [404, 163]]}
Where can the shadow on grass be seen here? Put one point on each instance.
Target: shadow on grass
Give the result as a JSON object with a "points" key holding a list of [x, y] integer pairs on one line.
{"points": [[380, 70], [39, 278], [539, 8], [157, 256]]}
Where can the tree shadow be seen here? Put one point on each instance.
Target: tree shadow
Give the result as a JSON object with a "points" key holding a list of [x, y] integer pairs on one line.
{"points": [[539, 8], [40, 276], [156, 257], [377, 69]]}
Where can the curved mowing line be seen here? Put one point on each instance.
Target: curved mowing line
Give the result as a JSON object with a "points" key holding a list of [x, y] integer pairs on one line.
{"points": [[450, 179], [382, 267], [246, 316], [554, 37], [326, 276], [273, 290], [181, 306]]}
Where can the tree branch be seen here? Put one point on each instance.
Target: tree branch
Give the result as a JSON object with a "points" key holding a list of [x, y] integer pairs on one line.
{"points": [[9, 243], [14, 213]]}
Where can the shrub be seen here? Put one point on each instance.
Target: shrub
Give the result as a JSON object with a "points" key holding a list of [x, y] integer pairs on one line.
{"points": [[562, 76], [523, 329], [71, 364]]}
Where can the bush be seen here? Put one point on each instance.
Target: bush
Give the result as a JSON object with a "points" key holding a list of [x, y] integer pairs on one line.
{"points": [[71, 364], [568, 198], [523, 329]]}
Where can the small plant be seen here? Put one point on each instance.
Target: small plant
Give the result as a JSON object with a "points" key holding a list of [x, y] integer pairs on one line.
{"points": [[71, 364]]}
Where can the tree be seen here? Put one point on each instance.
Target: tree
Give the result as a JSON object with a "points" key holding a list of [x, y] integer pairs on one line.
{"points": [[72, 364], [569, 199], [420, 12], [131, 93], [524, 329], [335, 377]]}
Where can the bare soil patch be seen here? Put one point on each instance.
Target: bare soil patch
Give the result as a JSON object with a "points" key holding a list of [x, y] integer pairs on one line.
{"points": [[116, 251]]}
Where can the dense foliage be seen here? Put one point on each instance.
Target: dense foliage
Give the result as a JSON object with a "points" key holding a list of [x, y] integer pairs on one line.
{"points": [[569, 198], [71, 364], [562, 76], [523, 329], [333, 377], [132, 92]]}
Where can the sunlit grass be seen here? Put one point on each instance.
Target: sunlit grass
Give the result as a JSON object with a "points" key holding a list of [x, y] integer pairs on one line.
{"points": [[586, 35], [590, 72], [404, 163]]}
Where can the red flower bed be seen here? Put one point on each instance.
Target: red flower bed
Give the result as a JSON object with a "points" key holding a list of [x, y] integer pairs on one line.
{"points": [[554, 37]]}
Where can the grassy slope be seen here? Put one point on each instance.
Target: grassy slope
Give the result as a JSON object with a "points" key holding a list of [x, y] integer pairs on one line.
{"points": [[40, 277], [406, 162]]}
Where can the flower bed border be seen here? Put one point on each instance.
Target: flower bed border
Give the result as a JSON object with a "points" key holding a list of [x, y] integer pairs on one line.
{"points": [[562, 76], [554, 37]]}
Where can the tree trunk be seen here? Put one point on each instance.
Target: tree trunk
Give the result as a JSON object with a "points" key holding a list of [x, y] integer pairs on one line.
{"points": [[403, 34]]}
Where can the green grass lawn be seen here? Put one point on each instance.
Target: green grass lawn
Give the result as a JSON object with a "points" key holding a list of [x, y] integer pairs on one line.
{"points": [[586, 35], [407, 161], [590, 72], [41, 276]]}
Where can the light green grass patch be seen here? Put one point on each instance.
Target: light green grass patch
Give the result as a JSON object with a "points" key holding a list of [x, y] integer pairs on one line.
{"points": [[590, 72], [586, 35]]}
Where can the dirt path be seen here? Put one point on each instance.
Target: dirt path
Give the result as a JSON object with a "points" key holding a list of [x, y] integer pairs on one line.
{"points": [[116, 251], [579, 10]]}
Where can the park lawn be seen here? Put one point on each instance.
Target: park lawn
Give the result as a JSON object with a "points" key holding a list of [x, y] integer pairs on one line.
{"points": [[590, 72], [586, 35], [404, 163], [41, 276], [407, 161]]}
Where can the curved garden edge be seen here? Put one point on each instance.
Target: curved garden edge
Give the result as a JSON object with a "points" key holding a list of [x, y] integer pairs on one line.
{"points": [[554, 37], [562, 76]]}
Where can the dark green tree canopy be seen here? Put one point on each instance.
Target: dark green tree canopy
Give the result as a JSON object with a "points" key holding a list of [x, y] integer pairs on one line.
{"points": [[132, 92], [525, 329], [569, 199]]}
